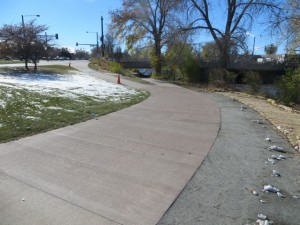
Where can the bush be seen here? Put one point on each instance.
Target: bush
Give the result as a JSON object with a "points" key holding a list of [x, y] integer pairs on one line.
{"points": [[289, 87], [115, 67], [195, 73], [221, 77], [254, 81]]}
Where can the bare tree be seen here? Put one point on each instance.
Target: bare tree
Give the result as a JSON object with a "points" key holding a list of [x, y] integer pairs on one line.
{"points": [[82, 54], [146, 21], [26, 42], [110, 44], [290, 24], [231, 27]]}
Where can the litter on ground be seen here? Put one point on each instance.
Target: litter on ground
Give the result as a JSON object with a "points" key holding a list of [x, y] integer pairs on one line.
{"points": [[268, 139], [276, 148], [271, 160], [280, 157], [280, 195], [269, 188], [262, 216], [276, 173]]}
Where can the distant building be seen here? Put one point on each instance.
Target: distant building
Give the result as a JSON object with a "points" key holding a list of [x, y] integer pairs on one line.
{"points": [[271, 58]]}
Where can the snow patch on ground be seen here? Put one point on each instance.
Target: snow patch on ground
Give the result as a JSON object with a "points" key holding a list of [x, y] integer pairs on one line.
{"points": [[55, 108], [73, 85], [32, 118]]}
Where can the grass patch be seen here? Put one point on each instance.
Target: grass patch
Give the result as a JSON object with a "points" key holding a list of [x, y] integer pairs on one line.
{"points": [[56, 69], [24, 113], [3, 61], [50, 69]]}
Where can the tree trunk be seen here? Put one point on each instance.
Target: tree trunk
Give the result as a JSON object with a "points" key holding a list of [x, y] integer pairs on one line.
{"points": [[224, 50], [225, 59], [158, 58], [158, 65], [26, 64], [35, 66]]}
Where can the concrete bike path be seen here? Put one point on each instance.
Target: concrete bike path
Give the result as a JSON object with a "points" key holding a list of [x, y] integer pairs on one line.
{"points": [[123, 168]]}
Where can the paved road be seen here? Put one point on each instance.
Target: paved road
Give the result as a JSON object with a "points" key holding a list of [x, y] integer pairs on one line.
{"points": [[124, 168]]}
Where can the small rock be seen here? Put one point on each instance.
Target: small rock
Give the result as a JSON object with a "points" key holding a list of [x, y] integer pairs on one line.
{"points": [[255, 193], [23, 199], [262, 201], [295, 197], [257, 121]]}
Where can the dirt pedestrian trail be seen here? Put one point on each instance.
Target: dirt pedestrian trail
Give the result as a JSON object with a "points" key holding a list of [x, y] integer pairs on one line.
{"points": [[220, 192]]}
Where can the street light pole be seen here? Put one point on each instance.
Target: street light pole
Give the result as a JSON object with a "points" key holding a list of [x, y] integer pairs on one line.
{"points": [[23, 23], [254, 39], [97, 37], [253, 46]]}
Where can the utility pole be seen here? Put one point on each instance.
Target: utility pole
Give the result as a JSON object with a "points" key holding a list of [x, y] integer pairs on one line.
{"points": [[102, 37]]}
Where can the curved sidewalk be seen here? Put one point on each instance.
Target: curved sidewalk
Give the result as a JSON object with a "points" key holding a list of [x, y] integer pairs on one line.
{"points": [[123, 168]]}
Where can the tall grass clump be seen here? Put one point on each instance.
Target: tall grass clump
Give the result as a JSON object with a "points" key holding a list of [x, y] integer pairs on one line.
{"points": [[253, 80], [221, 78]]}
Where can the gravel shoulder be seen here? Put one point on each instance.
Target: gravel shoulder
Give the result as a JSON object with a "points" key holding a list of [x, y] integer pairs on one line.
{"points": [[285, 119], [220, 192]]}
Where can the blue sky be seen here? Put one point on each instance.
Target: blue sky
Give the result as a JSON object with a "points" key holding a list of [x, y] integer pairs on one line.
{"points": [[72, 18], [69, 18]]}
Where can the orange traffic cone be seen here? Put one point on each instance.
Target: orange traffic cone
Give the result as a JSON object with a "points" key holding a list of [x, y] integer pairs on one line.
{"points": [[119, 79]]}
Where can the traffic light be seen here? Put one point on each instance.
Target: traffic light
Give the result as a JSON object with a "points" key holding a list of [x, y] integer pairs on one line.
{"points": [[76, 43], [56, 36]]}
